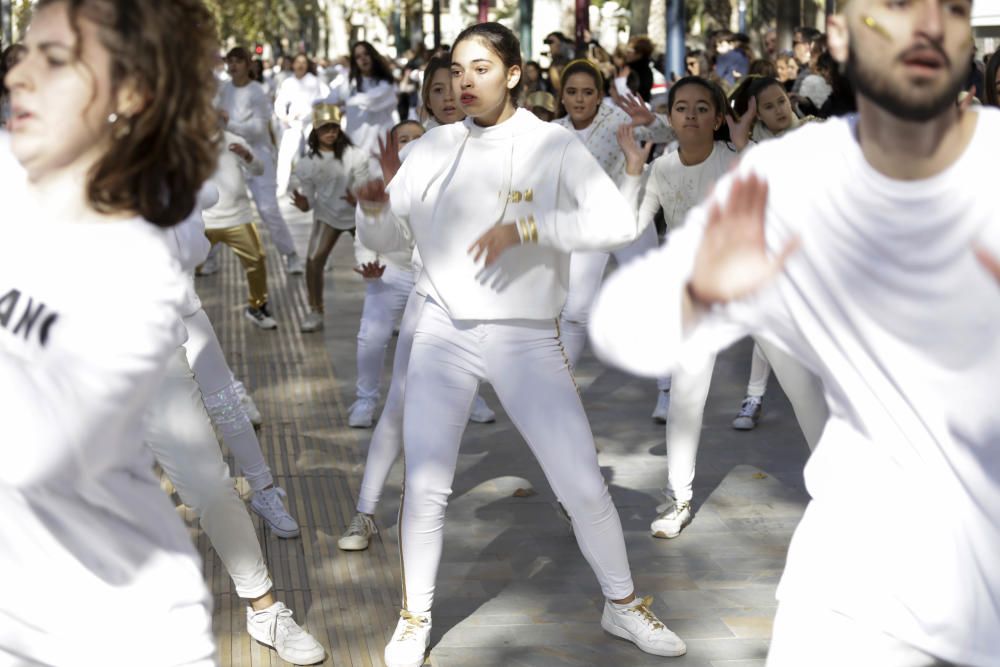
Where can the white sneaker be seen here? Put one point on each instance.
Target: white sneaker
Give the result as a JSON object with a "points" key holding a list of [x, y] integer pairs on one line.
{"points": [[662, 407], [260, 317], [358, 534], [294, 264], [408, 646], [253, 414], [269, 506], [274, 627], [313, 321], [362, 413], [671, 522], [481, 413], [209, 266], [749, 414], [639, 625]]}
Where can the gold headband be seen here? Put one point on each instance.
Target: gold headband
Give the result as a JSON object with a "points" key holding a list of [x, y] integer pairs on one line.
{"points": [[590, 65]]}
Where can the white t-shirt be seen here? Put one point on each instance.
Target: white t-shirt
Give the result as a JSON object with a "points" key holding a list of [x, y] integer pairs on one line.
{"points": [[230, 179], [678, 188], [887, 304], [89, 314], [325, 180]]}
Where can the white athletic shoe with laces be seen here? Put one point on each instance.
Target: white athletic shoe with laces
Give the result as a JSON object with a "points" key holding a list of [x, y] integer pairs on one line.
{"points": [[481, 413], [253, 414], [639, 625], [671, 522], [749, 414], [408, 646], [362, 413], [313, 321], [358, 534], [662, 407], [274, 627], [269, 505]]}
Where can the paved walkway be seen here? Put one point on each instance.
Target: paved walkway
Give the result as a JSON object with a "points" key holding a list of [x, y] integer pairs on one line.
{"points": [[514, 589]]}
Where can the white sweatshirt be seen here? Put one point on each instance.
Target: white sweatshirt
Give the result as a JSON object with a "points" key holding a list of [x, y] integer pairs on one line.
{"points": [[249, 109], [677, 188], [190, 247], [369, 113], [461, 179], [325, 180], [602, 142], [887, 304], [233, 208], [294, 102], [85, 333]]}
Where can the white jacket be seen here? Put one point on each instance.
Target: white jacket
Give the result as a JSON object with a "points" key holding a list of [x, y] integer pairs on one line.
{"points": [[461, 179], [233, 208]]}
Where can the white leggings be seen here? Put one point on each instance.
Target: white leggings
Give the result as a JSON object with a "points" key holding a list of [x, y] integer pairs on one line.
{"points": [[290, 149], [586, 272], [265, 195], [806, 634], [385, 300], [180, 434], [525, 362], [760, 371], [222, 400], [687, 408]]}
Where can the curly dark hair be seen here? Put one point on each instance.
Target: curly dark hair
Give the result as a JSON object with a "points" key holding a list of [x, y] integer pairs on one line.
{"points": [[162, 154], [380, 68]]}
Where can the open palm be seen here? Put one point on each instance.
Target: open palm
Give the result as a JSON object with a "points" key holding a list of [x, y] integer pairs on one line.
{"points": [[732, 260]]}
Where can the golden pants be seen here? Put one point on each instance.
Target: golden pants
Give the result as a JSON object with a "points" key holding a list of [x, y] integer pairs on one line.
{"points": [[245, 242]]}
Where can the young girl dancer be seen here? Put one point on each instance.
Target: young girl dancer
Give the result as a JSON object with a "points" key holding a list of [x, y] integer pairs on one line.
{"points": [[495, 205], [230, 222], [595, 124], [775, 117], [293, 106], [387, 440], [248, 115], [198, 387], [677, 182], [96, 103], [322, 183]]}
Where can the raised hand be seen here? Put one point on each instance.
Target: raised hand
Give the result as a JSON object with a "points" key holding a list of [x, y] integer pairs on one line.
{"points": [[635, 155], [370, 271], [634, 106], [739, 130], [300, 201], [388, 156], [495, 242], [372, 194], [241, 152], [732, 260]]}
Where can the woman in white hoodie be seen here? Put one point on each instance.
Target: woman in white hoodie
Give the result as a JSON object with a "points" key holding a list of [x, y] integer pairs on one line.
{"points": [[86, 331], [495, 205]]}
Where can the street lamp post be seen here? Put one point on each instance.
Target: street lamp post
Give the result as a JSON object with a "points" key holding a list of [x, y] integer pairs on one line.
{"points": [[676, 49]]}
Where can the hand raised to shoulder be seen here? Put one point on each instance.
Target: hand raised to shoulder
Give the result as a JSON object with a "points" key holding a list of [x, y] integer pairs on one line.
{"points": [[732, 260]]}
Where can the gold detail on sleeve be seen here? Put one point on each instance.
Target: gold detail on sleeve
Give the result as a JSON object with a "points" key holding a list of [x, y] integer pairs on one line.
{"points": [[515, 196], [532, 229], [529, 195]]}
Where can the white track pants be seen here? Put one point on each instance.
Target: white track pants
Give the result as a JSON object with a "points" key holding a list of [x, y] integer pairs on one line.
{"points": [[525, 362], [687, 408], [760, 372], [265, 195], [805, 634], [385, 300], [180, 434], [222, 400], [290, 148]]}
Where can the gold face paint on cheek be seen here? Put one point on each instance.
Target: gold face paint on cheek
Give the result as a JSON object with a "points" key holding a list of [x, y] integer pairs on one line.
{"points": [[876, 26]]}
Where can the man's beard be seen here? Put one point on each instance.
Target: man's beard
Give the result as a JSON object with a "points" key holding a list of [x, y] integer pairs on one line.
{"points": [[896, 97]]}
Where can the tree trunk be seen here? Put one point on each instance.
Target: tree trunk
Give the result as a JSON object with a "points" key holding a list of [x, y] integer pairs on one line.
{"points": [[639, 22], [789, 18]]}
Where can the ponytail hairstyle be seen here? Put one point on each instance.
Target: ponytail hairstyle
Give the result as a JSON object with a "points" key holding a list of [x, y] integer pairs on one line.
{"points": [[161, 155], [718, 101], [503, 43]]}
